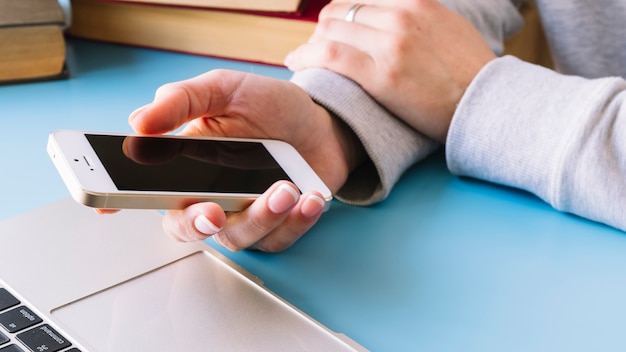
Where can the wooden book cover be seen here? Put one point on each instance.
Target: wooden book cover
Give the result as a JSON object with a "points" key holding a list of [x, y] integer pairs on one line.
{"points": [[33, 45], [30, 12], [262, 38]]}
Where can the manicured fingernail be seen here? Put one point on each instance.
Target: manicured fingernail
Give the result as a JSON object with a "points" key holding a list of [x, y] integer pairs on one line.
{"points": [[312, 206], [218, 240], [205, 225], [134, 114], [288, 59], [283, 198]]}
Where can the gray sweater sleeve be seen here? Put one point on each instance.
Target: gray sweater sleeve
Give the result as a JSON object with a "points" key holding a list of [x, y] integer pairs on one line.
{"points": [[560, 137], [391, 145]]}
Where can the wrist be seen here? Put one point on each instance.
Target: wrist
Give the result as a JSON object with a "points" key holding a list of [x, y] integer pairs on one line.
{"points": [[338, 153], [349, 143]]}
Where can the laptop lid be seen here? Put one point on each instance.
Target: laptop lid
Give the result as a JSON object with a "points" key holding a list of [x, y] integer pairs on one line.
{"points": [[119, 283]]}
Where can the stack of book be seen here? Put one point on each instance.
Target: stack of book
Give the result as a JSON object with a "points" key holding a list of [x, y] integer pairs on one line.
{"points": [[261, 31], [32, 46]]}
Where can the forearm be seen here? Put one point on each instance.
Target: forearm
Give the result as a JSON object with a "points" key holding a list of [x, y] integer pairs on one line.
{"points": [[561, 137], [390, 145]]}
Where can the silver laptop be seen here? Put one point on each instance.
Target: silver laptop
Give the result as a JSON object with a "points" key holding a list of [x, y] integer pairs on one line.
{"points": [[72, 280]]}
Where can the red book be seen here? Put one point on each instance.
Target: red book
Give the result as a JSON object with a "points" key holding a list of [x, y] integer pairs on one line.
{"points": [[263, 37]]}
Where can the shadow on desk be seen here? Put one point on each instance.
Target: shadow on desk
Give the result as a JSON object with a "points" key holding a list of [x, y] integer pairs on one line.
{"points": [[85, 57]]}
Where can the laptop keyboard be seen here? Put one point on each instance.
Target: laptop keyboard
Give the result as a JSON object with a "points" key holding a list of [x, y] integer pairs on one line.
{"points": [[22, 330]]}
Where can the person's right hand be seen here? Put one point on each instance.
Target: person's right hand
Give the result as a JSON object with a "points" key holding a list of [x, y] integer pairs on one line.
{"points": [[233, 104], [416, 58]]}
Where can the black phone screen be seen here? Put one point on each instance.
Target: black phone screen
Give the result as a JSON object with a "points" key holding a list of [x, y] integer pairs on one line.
{"points": [[137, 163]]}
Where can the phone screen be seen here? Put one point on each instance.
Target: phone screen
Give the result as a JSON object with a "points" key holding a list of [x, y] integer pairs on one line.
{"points": [[186, 165]]}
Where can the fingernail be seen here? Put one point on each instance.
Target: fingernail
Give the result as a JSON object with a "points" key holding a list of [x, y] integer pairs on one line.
{"points": [[288, 59], [282, 199], [312, 206], [134, 114], [205, 225], [218, 240]]}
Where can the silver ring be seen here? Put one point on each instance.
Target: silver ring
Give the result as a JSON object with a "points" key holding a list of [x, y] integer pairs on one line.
{"points": [[352, 12]]}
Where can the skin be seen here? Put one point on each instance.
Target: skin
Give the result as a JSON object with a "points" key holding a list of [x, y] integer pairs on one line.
{"points": [[399, 51], [415, 57], [234, 104]]}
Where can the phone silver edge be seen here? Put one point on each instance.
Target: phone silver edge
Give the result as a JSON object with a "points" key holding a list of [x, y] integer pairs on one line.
{"points": [[141, 200]]}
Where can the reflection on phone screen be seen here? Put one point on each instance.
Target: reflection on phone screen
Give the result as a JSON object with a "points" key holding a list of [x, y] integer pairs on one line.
{"points": [[186, 165]]}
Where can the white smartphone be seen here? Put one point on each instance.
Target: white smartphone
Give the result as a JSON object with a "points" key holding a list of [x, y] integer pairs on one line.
{"points": [[123, 171]]}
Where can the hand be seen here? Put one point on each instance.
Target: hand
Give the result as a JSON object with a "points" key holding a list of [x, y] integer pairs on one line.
{"points": [[415, 57], [234, 104]]}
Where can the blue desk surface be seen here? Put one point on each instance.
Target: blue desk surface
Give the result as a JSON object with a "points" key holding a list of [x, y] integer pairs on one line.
{"points": [[445, 264]]}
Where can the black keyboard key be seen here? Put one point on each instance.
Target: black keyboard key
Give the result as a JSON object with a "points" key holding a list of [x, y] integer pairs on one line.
{"points": [[3, 338], [43, 338], [18, 318], [11, 348], [7, 300]]}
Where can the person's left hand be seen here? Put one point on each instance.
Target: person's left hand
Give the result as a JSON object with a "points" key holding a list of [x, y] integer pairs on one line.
{"points": [[415, 57]]}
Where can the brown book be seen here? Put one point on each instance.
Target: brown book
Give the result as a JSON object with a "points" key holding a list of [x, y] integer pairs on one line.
{"points": [[243, 5], [246, 36], [33, 46]]}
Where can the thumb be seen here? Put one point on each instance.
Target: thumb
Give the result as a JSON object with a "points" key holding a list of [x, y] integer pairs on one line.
{"points": [[176, 103]]}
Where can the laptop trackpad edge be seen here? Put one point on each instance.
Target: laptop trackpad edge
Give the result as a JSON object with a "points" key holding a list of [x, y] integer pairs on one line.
{"points": [[197, 296]]}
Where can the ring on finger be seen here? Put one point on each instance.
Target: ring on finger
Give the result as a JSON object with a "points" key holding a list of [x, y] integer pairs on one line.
{"points": [[352, 12]]}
